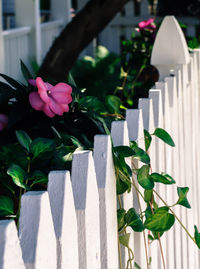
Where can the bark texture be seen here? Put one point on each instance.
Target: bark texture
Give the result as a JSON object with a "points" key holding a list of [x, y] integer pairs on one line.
{"points": [[86, 25]]}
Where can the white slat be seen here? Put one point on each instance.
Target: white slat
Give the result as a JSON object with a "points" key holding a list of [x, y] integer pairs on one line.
{"points": [[10, 251], [36, 231], [86, 200], [64, 218]]}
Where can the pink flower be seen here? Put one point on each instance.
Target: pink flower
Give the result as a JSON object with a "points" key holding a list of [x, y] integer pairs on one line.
{"points": [[50, 99], [147, 25], [3, 121]]}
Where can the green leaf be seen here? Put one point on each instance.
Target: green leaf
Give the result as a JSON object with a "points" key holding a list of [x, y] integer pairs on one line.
{"points": [[139, 153], [6, 206], [162, 179], [124, 239], [133, 220], [113, 102], [182, 193], [124, 151], [39, 177], [144, 179], [23, 139], [148, 195], [160, 221], [122, 186], [155, 234], [18, 176], [197, 236], [163, 135], [136, 266], [147, 138], [26, 73], [120, 218], [92, 103], [41, 145]]}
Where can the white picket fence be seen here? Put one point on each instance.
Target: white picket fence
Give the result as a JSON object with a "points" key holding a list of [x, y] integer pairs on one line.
{"points": [[74, 223]]}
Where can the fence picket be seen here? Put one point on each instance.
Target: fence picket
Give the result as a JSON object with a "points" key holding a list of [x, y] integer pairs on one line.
{"points": [[64, 218], [86, 200], [106, 181], [10, 251], [36, 231]]}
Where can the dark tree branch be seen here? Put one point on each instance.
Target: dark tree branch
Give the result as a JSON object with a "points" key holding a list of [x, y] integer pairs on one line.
{"points": [[85, 26]]}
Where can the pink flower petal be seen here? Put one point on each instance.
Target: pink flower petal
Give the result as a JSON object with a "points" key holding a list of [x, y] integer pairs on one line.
{"points": [[42, 90], [48, 111], [35, 101], [65, 107], [149, 21], [61, 97], [62, 87], [3, 119], [48, 85], [55, 107], [142, 24]]}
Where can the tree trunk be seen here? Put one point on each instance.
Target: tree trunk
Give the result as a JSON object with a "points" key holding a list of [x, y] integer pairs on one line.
{"points": [[85, 26]]}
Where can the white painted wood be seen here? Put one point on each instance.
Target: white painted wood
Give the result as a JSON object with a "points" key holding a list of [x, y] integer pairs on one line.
{"points": [[27, 13], [86, 199], [106, 180], [119, 134], [36, 231], [61, 11], [64, 218], [10, 251], [166, 57]]}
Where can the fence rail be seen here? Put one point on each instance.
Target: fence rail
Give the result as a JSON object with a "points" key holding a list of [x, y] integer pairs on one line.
{"points": [[74, 223]]}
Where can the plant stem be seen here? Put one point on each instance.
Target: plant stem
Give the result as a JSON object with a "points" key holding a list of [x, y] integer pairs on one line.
{"points": [[182, 225], [19, 208], [120, 256], [138, 198]]}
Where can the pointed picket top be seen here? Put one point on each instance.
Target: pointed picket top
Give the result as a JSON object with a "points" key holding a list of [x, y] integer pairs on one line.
{"points": [[119, 133], [64, 218], [135, 126], [10, 251], [36, 231], [146, 105], [156, 96], [170, 47]]}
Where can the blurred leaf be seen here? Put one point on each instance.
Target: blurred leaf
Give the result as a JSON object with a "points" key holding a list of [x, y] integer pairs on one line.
{"points": [[18, 176], [26, 73], [92, 103], [23, 139], [160, 221], [136, 266], [148, 195], [156, 177], [39, 177], [148, 139], [133, 220], [197, 236], [120, 218], [182, 193], [163, 135], [124, 239], [41, 145], [140, 154], [124, 151], [144, 179], [113, 102], [6, 206]]}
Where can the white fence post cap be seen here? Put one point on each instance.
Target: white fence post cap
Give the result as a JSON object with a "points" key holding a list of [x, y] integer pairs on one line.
{"points": [[170, 47]]}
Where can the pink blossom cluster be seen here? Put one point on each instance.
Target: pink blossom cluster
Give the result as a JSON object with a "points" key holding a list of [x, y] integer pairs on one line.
{"points": [[50, 99], [147, 25]]}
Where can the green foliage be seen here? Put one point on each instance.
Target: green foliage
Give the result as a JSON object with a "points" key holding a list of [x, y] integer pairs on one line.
{"points": [[182, 193], [163, 135], [18, 175], [144, 178], [160, 221], [197, 236], [6, 207], [162, 178], [148, 139], [133, 220]]}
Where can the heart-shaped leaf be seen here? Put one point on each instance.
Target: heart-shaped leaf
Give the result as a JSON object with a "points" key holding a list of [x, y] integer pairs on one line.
{"points": [[133, 220], [124, 239], [160, 221], [182, 193], [162, 179], [139, 153], [41, 145], [144, 179]]}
